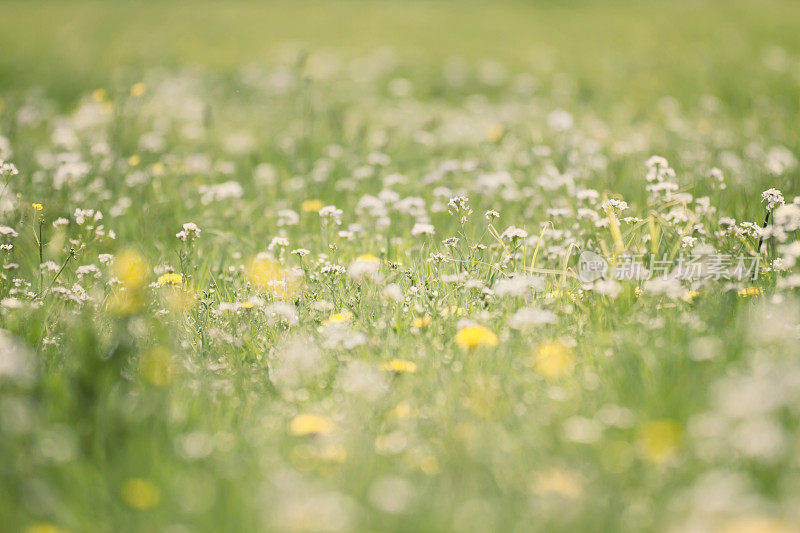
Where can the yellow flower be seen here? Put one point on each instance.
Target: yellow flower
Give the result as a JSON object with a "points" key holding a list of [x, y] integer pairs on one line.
{"points": [[688, 296], [138, 89], [140, 494], [402, 410], [494, 132], [178, 299], [267, 275], [559, 482], [659, 440], [170, 278], [368, 257], [247, 305], [553, 359], [99, 95], [134, 160], [422, 323], [131, 269], [158, 168], [313, 205], [37, 207], [453, 310], [308, 424], [157, 366], [400, 365], [475, 336], [750, 291], [336, 318]]}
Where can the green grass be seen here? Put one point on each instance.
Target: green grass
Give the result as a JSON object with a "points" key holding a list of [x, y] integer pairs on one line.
{"points": [[226, 383]]}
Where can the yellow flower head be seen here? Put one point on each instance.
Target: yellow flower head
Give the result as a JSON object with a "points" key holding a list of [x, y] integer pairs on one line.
{"points": [[170, 278], [311, 206], [140, 494], [553, 359], [308, 424], [267, 275], [134, 160], [475, 336], [494, 132], [247, 305], [750, 291], [400, 365], [659, 440], [337, 318], [131, 269], [422, 322], [453, 310], [368, 257], [37, 207], [559, 482], [99, 95], [688, 296], [138, 89]]}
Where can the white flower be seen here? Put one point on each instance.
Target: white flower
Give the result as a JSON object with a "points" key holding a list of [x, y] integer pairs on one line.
{"points": [[528, 317], [421, 228], [773, 198], [393, 291], [330, 213], [614, 205], [514, 233], [8, 232], [189, 233]]}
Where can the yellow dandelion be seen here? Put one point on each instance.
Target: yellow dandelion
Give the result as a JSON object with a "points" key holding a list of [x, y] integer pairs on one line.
{"points": [[400, 366], [99, 95], [368, 258], [134, 160], [453, 310], [131, 269], [750, 291], [494, 132], [311, 206], [157, 168], [37, 207], [247, 305], [170, 278], [475, 336], [140, 494], [422, 322], [558, 482], [337, 318], [308, 424], [659, 440], [266, 274], [157, 366], [553, 359], [138, 89], [402, 410], [689, 296], [178, 299]]}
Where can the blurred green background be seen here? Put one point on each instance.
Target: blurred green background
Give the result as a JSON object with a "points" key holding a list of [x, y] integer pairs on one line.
{"points": [[645, 48]]}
